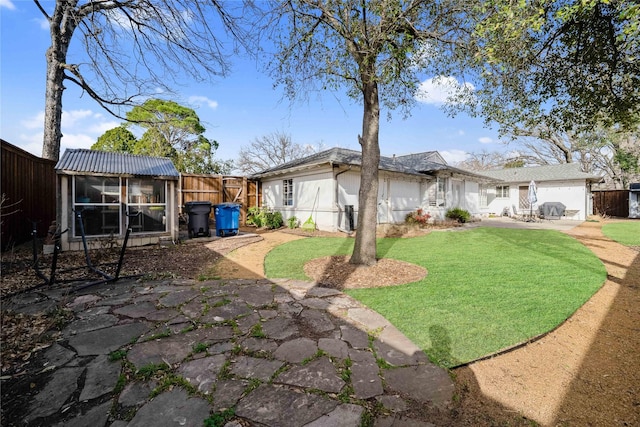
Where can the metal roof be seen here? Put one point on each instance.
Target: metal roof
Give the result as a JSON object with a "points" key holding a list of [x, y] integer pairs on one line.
{"points": [[560, 172], [81, 161], [413, 164]]}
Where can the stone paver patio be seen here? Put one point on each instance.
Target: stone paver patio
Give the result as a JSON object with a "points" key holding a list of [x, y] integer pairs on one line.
{"points": [[283, 353]]}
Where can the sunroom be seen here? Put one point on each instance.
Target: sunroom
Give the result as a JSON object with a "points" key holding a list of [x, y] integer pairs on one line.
{"points": [[102, 194]]}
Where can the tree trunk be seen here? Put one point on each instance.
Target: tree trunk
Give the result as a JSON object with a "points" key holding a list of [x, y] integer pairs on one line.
{"points": [[364, 251], [61, 27]]}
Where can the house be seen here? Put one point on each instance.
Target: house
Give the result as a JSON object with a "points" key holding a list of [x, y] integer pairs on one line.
{"points": [[100, 194], [564, 183], [325, 186]]}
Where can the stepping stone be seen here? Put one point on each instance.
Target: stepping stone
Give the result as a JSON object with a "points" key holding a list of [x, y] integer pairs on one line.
{"points": [[297, 350], [102, 377], [317, 320], [202, 373], [256, 345], [355, 337], [277, 406], [253, 367], [347, 415], [175, 299], [104, 341], [170, 409], [318, 374], [161, 351], [63, 383], [365, 374], [317, 303], [57, 356], [96, 416], [229, 311], [424, 383], [334, 347], [256, 296], [322, 292], [392, 403], [228, 393], [280, 328], [135, 394], [399, 356], [87, 324], [136, 311]]}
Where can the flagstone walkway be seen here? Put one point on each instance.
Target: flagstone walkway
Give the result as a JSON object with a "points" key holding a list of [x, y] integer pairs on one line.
{"points": [[283, 353]]}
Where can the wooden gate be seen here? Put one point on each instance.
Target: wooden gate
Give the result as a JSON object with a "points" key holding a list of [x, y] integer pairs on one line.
{"points": [[611, 203], [219, 189]]}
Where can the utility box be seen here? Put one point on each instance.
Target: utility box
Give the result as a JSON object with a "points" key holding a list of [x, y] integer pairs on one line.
{"points": [[634, 200], [198, 212], [227, 219]]}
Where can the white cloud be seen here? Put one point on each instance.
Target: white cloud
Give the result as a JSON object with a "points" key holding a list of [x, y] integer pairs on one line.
{"points": [[485, 140], [42, 23], [442, 90], [80, 129], [34, 122], [198, 101], [8, 4], [454, 156], [70, 118]]}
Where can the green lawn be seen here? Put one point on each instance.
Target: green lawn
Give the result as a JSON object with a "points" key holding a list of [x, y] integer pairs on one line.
{"points": [[487, 288], [626, 233]]}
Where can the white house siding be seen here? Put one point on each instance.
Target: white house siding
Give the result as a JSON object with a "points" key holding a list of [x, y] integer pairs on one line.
{"points": [[309, 188], [404, 197], [573, 194]]}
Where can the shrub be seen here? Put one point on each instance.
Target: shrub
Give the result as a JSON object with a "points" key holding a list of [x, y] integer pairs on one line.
{"points": [[418, 217], [264, 217], [458, 214], [292, 222], [274, 220]]}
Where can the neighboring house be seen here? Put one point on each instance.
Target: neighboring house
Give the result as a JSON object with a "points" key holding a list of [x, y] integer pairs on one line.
{"points": [[325, 186], [564, 183], [112, 190]]}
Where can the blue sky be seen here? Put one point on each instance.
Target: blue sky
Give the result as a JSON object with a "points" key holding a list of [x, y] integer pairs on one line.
{"points": [[235, 110]]}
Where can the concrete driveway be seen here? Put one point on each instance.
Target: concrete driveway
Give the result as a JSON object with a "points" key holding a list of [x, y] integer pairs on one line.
{"points": [[545, 224]]}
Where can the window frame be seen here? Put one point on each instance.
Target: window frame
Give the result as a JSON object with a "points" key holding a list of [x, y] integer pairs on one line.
{"points": [[287, 192], [103, 208], [154, 209], [502, 191]]}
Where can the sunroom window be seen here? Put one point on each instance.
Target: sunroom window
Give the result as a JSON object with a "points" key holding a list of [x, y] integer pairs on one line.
{"points": [[146, 204], [97, 201]]}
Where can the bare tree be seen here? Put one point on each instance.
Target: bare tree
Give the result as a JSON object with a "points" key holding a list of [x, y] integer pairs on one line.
{"points": [[132, 47], [271, 150], [485, 160], [375, 51]]}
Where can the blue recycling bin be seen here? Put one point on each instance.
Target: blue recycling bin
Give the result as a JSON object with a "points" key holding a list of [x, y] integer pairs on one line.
{"points": [[227, 218]]}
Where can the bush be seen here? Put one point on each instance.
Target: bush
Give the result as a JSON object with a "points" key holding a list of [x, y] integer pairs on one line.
{"points": [[418, 217], [264, 217], [292, 222], [459, 215], [274, 220]]}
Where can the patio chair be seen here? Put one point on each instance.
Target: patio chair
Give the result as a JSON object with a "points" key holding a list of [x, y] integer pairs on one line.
{"points": [[517, 215]]}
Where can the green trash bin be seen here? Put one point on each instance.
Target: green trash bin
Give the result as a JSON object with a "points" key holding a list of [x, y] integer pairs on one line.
{"points": [[227, 219]]}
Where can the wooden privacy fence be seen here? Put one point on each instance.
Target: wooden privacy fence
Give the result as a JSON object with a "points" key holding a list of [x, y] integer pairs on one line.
{"points": [[29, 189], [219, 189], [611, 203]]}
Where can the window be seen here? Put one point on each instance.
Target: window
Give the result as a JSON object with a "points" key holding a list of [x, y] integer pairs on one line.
{"points": [[96, 201], [287, 192], [146, 198], [502, 191], [438, 193]]}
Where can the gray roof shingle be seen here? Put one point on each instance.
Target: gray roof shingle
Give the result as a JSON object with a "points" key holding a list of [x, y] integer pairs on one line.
{"points": [[413, 164], [81, 161], [560, 172]]}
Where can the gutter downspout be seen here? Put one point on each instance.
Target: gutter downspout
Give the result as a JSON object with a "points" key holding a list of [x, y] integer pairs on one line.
{"points": [[335, 179]]}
